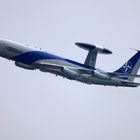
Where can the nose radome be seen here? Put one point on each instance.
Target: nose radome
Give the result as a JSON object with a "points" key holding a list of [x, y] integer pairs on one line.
{"points": [[3, 41], [6, 42]]}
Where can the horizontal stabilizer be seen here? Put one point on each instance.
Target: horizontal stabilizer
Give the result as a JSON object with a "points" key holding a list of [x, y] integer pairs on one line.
{"points": [[129, 75], [90, 47], [124, 75]]}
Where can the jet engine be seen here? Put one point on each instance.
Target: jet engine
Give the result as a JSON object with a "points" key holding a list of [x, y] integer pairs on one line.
{"points": [[101, 75], [24, 66], [69, 73]]}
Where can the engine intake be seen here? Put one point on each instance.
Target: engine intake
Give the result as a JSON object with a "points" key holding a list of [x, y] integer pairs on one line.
{"points": [[69, 73], [24, 66]]}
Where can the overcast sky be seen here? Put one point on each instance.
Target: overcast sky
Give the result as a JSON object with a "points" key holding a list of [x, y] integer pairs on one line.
{"points": [[40, 106]]}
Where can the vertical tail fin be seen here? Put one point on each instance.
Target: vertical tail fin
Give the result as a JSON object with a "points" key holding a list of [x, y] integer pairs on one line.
{"points": [[131, 66]]}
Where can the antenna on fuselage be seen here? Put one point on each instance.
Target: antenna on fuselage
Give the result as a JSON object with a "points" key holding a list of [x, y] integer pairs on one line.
{"points": [[93, 50]]}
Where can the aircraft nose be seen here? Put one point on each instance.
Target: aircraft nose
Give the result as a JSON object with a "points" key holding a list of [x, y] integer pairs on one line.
{"points": [[2, 42]]}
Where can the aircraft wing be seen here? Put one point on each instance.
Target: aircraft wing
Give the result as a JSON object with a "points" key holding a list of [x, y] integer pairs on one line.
{"points": [[60, 69], [45, 66]]}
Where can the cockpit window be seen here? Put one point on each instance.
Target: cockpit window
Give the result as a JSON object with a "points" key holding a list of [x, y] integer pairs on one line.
{"points": [[13, 50]]}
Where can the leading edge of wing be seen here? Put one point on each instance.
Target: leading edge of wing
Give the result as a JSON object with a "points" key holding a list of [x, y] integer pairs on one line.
{"points": [[47, 65]]}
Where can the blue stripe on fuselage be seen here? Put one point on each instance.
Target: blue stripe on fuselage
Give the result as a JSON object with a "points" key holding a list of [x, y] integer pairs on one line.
{"points": [[33, 56]]}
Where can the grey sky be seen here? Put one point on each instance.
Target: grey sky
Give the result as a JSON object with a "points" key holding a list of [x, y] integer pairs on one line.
{"points": [[36, 105]]}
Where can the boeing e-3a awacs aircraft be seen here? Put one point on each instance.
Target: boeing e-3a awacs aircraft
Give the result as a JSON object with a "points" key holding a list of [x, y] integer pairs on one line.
{"points": [[31, 58]]}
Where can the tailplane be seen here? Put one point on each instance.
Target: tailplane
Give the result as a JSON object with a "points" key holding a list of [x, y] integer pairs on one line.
{"points": [[131, 67]]}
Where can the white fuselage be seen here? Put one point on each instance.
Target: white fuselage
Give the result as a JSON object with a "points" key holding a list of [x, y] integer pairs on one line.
{"points": [[28, 57]]}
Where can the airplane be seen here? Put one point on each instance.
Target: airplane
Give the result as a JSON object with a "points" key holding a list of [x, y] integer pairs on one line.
{"points": [[31, 58]]}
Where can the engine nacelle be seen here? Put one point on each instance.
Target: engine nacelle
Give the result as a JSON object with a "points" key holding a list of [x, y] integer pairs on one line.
{"points": [[69, 73], [101, 75], [24, 66]]}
